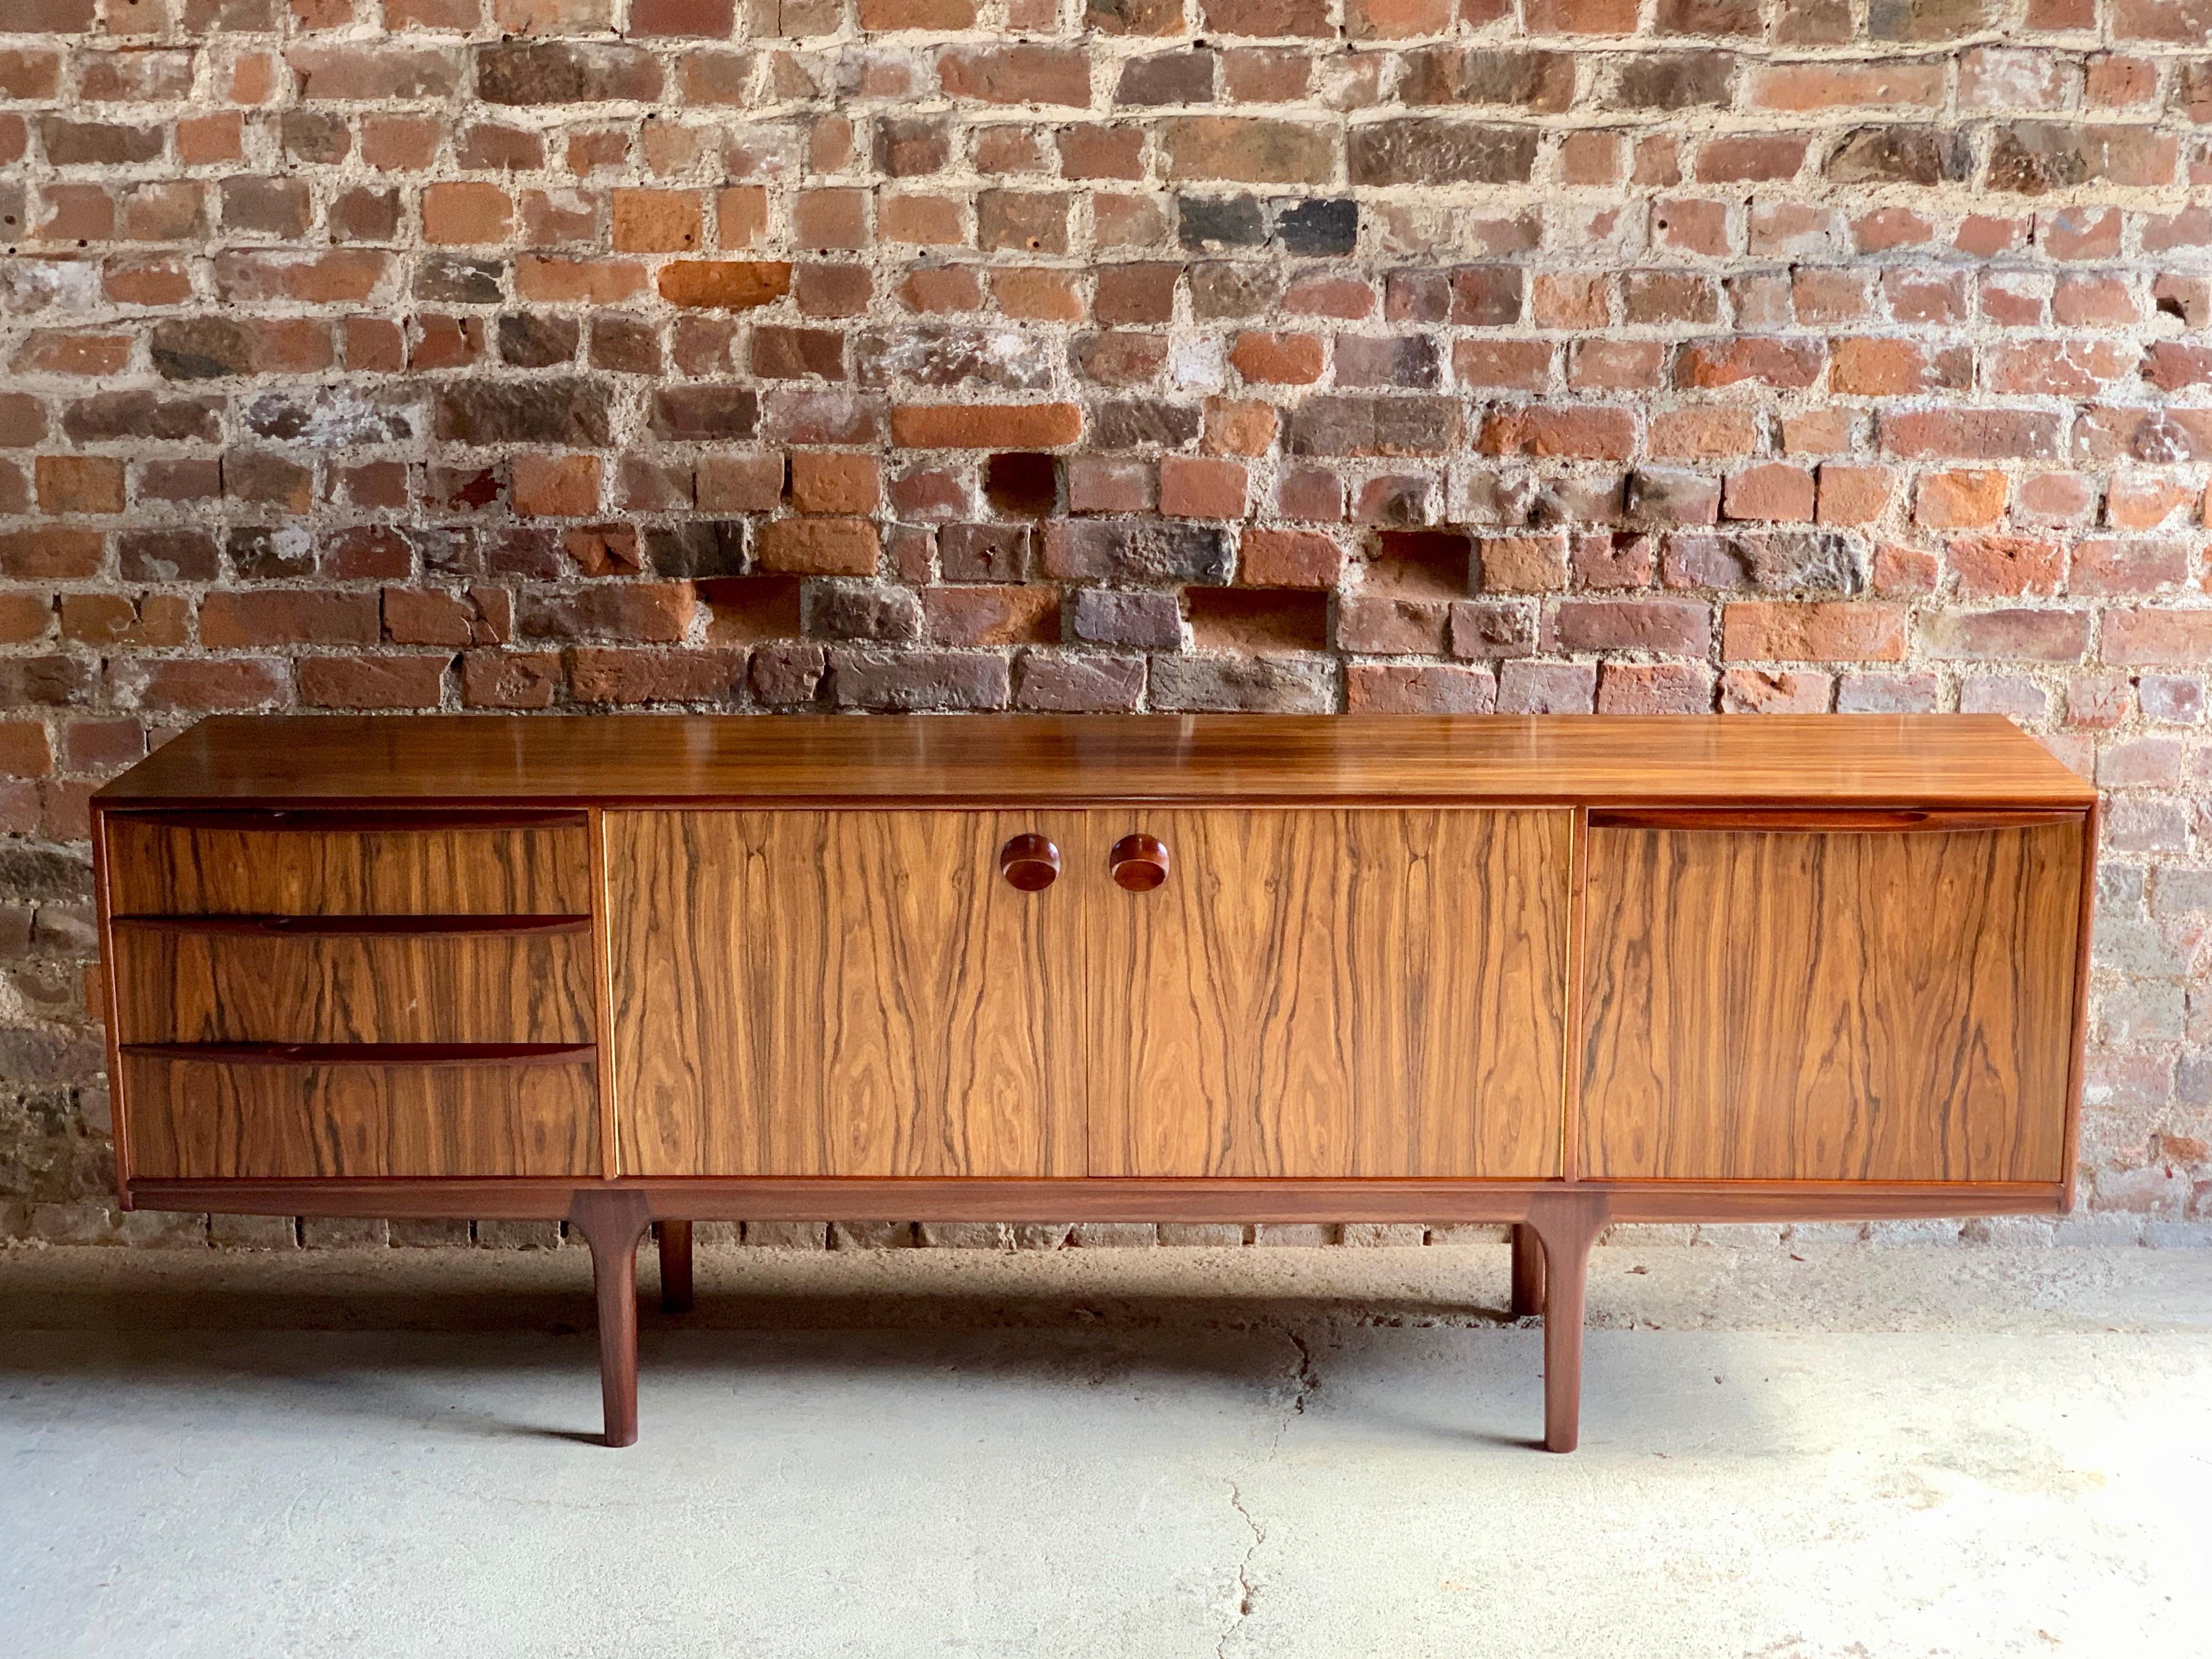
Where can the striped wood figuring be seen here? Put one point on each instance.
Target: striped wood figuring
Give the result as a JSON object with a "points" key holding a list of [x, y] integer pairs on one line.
{"points": [[206, 1117], [840, 993], [1345, 992], [1833, 1005], [177, 985], [161, 863]]}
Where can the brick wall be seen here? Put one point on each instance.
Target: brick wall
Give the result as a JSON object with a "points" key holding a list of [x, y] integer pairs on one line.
{"points": [[1640, 354]]}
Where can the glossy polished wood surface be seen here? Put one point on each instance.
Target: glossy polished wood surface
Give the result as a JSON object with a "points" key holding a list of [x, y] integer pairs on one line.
{"points": [[193, 1118], [992, 759], [1854, 1004], [1319, 994], [855, 994], [193, 986], [164, 865]]}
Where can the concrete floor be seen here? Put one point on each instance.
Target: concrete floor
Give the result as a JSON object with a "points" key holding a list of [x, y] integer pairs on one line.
{"points": [[1835, 1451]]}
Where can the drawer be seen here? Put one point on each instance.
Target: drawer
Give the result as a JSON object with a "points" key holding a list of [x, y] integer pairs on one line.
{"points": [[322, 864], [297, 1114], [342, 980]]}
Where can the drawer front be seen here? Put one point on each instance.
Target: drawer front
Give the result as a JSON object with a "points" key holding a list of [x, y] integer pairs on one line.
{"points": [[195, 1118], [322, 864], [177, 982], [1886, 1000]]}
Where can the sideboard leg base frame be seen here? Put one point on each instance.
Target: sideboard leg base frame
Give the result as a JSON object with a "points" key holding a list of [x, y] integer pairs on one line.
{"points": [[675, 1267], [1566, 1224], [614, 1223], [1527, 1272]]}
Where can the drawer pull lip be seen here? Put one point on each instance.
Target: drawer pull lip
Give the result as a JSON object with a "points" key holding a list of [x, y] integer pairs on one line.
{"points": [[352, 818], [364, 1053], [1783, 820], [356, 926], [1138, 863], [1030, 862]]}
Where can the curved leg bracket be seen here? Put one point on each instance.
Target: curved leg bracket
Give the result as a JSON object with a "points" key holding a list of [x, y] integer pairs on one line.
{"points": [[613, 1223], [1566, 1223]]}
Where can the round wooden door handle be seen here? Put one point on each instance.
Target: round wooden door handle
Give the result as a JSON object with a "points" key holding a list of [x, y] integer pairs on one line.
{"points": [[1139, 863], [1029, 862]]}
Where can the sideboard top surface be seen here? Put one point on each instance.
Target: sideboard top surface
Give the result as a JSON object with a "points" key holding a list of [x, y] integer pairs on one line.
{"points": [[310, 761]]}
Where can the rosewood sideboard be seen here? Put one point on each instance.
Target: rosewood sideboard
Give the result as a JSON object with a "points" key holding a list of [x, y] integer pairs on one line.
{"points": [[1548, 971]]}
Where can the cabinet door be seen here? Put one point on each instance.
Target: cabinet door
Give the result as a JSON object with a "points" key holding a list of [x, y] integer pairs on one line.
{"points": [[1332, 992], [840, 994], [1843, 1004]]}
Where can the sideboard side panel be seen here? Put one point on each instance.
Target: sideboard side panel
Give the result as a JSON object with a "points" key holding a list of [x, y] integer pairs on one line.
{"points": [[1351, 993], [1768, 1005], [840, 994]]}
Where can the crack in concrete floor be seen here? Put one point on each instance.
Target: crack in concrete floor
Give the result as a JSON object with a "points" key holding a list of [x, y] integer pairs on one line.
{"points": [[1305, 1379], [1908, 1453]]}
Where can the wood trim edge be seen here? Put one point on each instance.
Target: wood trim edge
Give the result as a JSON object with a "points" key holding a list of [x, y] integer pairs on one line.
{"points": [[1571, 1082], [2077, 1058], [362, 1054], [603, 998], [118, 1115], [1892, 820], [1078, 1197]]}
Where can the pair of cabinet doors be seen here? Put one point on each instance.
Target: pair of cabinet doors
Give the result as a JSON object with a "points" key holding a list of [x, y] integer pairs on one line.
{"points": [[1308, 993], [1345, 992]]}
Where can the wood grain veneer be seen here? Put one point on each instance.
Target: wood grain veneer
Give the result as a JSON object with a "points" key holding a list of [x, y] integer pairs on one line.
{"points": [[985, 760], [185, 986], [1553, 971], [168, 864], [1838, 1004], [840, 993], [201, 1118], [1347, 992]]}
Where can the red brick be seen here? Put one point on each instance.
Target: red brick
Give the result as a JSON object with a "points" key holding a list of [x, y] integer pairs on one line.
{"points": [[992, 615], [1854, 494], [1387, 689], [229, 621], [725, 284], [1967, 500], [2182, 639], [408, 681], [1194, 487], [826, 482], [819, 546], [1278, 359], [1776, 490], [1015, 75], [986, 426], [556, 486], [80, 484], [1586, 432], [1840, 631], [1655, 687], [1289, 558]]}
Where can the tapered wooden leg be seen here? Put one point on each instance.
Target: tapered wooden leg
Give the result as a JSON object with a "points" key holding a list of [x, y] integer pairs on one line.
{"points": [[675, 1267], [1567, 1223], [1528, 1272], [613, 1223]]}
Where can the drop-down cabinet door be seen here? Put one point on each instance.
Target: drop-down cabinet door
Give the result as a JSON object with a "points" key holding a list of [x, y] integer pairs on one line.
{"points": [[843, 993], [1328, 993], [1839, 996]]}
